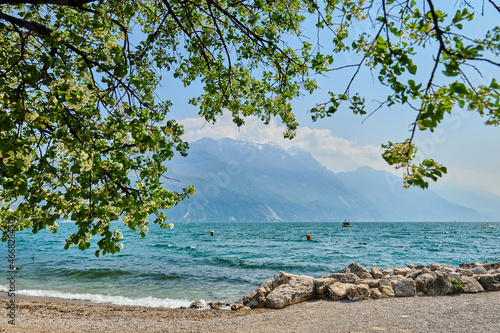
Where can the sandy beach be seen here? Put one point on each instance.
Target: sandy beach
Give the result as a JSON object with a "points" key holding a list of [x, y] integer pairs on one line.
{"points": [[460, 313]]}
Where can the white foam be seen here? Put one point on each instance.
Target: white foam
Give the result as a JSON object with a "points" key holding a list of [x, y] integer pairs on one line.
{"points": [[97, 298]]}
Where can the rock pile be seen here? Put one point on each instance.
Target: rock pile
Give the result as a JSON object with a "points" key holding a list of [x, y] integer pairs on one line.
{"points": [[355, 282]]}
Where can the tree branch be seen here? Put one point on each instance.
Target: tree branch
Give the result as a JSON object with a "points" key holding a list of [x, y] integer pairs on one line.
{"points": [[494, 5], [71, 3], [35, 27]]}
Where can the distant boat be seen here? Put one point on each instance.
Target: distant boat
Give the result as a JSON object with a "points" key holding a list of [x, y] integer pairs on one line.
{"points": [[346, 224]]}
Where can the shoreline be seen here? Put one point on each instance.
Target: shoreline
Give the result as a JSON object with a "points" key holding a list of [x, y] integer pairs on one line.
{"points": [[458, 313]]}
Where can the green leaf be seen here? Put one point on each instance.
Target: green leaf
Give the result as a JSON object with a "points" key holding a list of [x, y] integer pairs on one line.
{"points": [[458, 87], [451, 70]]}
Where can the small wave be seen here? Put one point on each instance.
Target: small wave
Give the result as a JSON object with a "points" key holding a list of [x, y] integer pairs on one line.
{"points": [[97, 298], [434, 250], [124, 255], [165, 277], [247, 264], [90, 273], [163, 245]]}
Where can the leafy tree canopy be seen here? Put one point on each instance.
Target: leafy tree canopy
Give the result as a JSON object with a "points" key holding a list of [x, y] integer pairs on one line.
{"points": [[84, 137]]}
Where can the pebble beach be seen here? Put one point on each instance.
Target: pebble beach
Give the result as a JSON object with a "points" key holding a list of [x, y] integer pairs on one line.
{"points": [[458, 313]]}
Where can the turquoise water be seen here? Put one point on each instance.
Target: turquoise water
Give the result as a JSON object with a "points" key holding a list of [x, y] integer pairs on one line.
{"points": [[174, 267]]}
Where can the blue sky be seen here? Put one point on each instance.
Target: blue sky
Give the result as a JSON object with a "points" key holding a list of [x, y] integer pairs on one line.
{"points": [[462, 142]]}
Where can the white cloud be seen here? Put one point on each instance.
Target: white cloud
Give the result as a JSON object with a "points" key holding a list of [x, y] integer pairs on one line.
{"points": [[335, 153], [473, 178]]}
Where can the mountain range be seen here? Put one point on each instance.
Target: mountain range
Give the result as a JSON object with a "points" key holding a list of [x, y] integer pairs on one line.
{"points": [[246, 181]]}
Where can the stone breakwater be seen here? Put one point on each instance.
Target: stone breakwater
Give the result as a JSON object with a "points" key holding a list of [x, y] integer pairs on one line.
{"points": [[355, 282]]}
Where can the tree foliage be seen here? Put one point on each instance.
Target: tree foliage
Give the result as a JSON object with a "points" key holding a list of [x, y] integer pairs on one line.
{"points": [[84, 137], [404, 33]]}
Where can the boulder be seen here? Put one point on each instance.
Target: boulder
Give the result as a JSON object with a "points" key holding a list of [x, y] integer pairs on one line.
{"points": [[491, 266], [358, 292], [487, 265], [434, 283], [281, 290], [448, 270], [404, 288], [377, 272], [404, 271], [464, 272], [413, 275], [414, 267], [372, 283], [321, 285], [337, 290], [384, 282], [357, 269], [477, 263], [197, 305], [394, 279], [355, 283], [237, 306], [375, 293], [342, 277], [216, 305], [489, 282], [299, 288], [257, 298], [439, 267], [479, 270], [382, 292], [465, 265], [471, 285], [386, 291]]}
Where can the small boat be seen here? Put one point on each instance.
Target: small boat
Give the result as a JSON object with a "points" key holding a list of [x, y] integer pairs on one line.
{"points": [[346, 224]]}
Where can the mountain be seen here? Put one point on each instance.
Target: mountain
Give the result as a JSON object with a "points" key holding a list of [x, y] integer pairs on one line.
{"points": [[245, 181], [480, 200]]}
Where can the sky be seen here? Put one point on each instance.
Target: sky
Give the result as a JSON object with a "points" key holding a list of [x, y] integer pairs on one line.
{"points": [[345, 142]]}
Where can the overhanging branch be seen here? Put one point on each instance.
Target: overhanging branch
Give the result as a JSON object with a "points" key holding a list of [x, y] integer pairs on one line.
{"points": [[71, 3], [34, 27]]}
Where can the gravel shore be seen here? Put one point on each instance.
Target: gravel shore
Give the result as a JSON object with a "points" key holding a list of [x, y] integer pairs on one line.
{"points": [[461, 313]]}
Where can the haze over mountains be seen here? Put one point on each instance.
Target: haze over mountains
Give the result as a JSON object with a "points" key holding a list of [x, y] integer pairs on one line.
{"points": [[244, 181]]}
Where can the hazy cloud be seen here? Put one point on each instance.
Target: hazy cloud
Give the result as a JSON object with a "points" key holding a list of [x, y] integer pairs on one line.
{"points": [[473, 178], [335, 153]]}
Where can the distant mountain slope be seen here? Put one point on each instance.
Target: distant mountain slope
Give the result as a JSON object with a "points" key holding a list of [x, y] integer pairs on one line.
{"points": [[244, 181], [385, 199], [480, 200]]}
